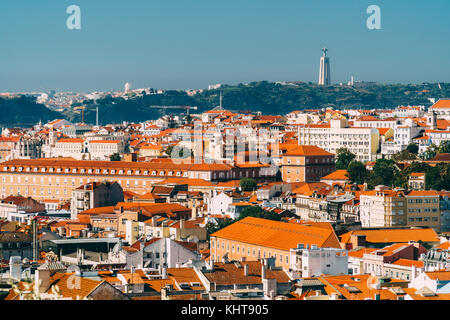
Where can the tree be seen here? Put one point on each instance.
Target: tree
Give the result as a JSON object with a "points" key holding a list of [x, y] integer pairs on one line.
{"points": [[178, 152], [404, 155], [258, 212], [444, 147], [115, 157], [384, 172], [357, 172], [344, 157], [247, 184], [403, 176], [413, 148], [211, 227], [430, 153]]}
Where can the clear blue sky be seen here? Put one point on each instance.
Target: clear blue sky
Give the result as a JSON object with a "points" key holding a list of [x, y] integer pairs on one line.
{"points": [[192, 43]]}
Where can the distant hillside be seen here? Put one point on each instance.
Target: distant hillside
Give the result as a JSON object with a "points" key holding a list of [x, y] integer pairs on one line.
{"points": [[269, 98], [24, 111]]}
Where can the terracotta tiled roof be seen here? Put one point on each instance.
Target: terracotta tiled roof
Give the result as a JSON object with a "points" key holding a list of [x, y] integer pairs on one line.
{"points": [[442, 104], [307, 151], [229, 273], [274, 234], [394, 235], [408, 263], [337, 175], [440, 275]]}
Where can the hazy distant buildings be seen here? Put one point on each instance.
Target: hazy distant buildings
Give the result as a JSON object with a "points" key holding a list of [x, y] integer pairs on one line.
{"points": [[324, 74]]}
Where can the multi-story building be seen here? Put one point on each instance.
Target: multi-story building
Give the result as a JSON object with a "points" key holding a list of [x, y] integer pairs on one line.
{"points": [[102, 149], [71, 148], [442, 109], [6, 147], [444, 202], [307, 164], [254, 239], [12, 207], [57, 178], [417, 181], [364, 142], [438, 257], [383, 207], [94, 195], [423, 209], [313, 261]]}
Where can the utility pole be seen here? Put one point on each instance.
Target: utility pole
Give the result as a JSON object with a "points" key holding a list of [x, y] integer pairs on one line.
{"points": [[35, 239]]}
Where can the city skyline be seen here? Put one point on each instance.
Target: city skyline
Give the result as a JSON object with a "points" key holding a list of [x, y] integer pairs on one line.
{"points": [[192, 45]]}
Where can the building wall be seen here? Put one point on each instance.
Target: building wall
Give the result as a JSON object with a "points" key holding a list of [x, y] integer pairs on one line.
{"points": [[237, 250], [306, 169], [424, 211]]}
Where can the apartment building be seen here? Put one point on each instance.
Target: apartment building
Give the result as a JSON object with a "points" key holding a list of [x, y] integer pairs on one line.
{"points": [[363, 142], [382, 207], [438, 257], [102, 149], [94, 195], [423, 209], [70, 147], [313, 261], [441, 109], [57, 178], [253, 239], [306, 164], [417, 181]]}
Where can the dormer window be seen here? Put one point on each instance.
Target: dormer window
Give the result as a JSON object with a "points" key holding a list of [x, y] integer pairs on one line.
{"points": [[146, 172], [154, 173], [137, 172], [129, 172], [74, 170], [35, 169], [67, 170], [89, 170], [58, 170], [43, 170], [105, 171], [113, 171], [82, 170], [161, 173], [121, 172], [28, 169]]}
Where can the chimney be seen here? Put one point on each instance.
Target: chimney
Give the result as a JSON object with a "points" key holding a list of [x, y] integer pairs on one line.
{"points": [[272, 295], [164, 273], [246, 270], [15, 268], [182, 224], [334, 296], [263, 272], [42, 281], [154, 221]]}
